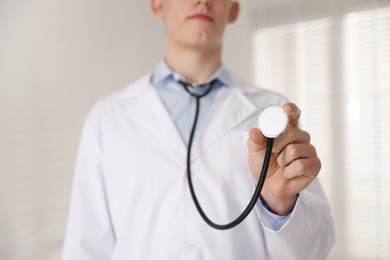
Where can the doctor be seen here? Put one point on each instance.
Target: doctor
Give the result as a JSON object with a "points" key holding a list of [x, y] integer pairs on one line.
{"points": [[130, 197]]}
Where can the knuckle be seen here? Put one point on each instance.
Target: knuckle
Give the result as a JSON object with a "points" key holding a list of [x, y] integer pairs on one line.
{"points": [[290, 133], [315, 167], [293, 151], [307, 137], [314, 150], [280, 160], [318, 164], [300, 166]]}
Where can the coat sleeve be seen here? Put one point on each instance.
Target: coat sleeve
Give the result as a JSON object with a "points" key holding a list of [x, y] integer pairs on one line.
{"points": [[308, 233], [89, 233]]}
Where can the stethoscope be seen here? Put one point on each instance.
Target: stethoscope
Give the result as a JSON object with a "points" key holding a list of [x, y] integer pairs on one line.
{"points": [[272, 122]]}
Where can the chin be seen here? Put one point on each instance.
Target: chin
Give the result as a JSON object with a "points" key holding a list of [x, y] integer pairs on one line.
{"points": [[203, 41], [202, 45]]}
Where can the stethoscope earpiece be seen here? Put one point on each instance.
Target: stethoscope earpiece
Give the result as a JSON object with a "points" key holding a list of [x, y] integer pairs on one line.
{"points": [[272, 121]]}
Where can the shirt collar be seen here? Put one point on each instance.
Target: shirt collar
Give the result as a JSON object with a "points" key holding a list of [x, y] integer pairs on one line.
{"points": [[163, 74]]}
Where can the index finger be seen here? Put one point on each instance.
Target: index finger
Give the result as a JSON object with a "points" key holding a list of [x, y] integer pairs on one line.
{"points": [[293, 112], [256, 141]]}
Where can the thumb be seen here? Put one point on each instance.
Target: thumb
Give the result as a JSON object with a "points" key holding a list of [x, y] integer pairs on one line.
{"points": [[257, 141], [293, 112]]}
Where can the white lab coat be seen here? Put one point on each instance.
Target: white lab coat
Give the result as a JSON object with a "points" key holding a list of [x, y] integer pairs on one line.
{"points": [[130, 196]]}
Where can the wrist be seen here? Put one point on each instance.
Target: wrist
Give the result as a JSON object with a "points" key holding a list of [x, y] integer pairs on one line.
{"points": [[279, 206]]}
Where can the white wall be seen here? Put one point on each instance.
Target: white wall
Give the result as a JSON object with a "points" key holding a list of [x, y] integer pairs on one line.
{"points": [[56, 59]]}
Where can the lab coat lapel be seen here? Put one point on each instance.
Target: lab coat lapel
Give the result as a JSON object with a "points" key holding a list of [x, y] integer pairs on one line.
{"points": [[230, 108], [146, 109]]}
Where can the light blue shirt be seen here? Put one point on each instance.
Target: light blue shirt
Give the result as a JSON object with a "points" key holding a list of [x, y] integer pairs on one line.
{"points": [[179, 103], [181, 107]]}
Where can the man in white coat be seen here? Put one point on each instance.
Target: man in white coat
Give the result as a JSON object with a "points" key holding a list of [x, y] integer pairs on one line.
{"points": [[130, 197]]}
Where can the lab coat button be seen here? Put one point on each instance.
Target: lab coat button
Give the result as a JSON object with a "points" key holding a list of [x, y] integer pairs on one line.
{"points": [[191, 246]]}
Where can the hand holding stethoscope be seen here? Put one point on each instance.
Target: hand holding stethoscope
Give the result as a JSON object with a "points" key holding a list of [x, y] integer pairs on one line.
{"points": [[293, 162], [293, 165]]}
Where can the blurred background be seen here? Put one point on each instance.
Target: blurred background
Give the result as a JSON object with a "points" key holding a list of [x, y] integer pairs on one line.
{"points": [[331, 57]]}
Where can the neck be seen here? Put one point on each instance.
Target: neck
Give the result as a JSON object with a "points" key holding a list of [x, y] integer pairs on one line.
{"points": [[197, 66]]}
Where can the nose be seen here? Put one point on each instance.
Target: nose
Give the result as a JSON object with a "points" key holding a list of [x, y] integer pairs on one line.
{"points": [[205, 2]]}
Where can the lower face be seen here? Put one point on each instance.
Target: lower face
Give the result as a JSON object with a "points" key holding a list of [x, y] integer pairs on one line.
{"points": [[188, 27]]}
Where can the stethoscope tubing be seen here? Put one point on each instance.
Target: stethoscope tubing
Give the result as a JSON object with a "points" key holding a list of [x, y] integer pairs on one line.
{"points": [[259, 186]]}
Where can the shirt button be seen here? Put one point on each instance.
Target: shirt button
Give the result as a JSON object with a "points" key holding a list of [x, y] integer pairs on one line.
{"points": [[191, 246]]}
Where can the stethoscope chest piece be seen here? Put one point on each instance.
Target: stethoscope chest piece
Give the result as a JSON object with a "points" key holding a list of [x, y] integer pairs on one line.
{"points": [[272, 121]]}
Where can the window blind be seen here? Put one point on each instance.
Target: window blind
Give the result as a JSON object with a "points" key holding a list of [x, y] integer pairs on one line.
{"points": [[337, 69], [367, 137]]}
